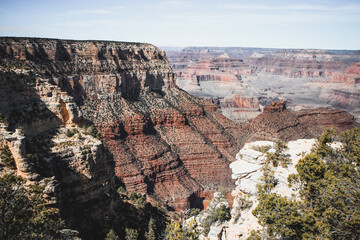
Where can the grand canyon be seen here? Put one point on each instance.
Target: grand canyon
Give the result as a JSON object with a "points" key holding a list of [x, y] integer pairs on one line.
{"points": [[167, 125], [241, 81]]}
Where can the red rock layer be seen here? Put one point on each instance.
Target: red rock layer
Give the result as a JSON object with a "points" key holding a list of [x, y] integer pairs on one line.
{"points": [[172, 149], [350, 76], [276, 122], [221, 69], [240, 102]]}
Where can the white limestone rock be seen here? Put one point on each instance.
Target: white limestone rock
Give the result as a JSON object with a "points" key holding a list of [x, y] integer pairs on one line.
{"points": [[247, 170]]}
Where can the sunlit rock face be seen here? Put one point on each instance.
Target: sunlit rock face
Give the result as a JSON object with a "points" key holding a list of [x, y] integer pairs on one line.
{"points": [[305, 78], [247, 170], [160, 140], [248, 177], [164, 142]]}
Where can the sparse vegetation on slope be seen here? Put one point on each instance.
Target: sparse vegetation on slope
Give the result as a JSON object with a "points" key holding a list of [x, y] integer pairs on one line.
{"points": [[329, 181], [23, 214]]}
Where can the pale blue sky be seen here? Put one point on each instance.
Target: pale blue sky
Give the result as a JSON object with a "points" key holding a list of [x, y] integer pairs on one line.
{"points": [[243, 23]]}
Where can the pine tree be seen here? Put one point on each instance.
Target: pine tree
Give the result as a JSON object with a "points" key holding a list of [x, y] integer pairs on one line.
{"points": [[131, 234], [150, 234], [111, 235]]}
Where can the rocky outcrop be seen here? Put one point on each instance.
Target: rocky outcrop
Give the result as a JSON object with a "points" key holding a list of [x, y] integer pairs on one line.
{"points": [[350, 76], [239, 108], [223, 69], [248, 172], [343, 90], [76, 171], [277, 122]]}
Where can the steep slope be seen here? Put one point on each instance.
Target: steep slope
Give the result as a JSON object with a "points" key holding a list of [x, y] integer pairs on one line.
{"points": [[165, 142], [76, 171], [277, 122], [158, 139]]}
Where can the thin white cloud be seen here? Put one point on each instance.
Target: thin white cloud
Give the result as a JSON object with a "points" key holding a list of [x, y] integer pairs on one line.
{"points": [[172, 4], [89, 12], [118, 7], [299, 7], [246, 19], [92, 23]]}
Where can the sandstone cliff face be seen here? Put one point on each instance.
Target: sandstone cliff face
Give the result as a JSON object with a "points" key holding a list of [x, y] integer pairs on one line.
{"points": [[77, 172], [165, 143], [158, 139], [344, 89]]}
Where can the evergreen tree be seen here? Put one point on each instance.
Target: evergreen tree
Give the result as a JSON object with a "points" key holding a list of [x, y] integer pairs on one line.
{"points": [[111, 235], [131, 234], [23, 214], [150, 234], [329, 180]]}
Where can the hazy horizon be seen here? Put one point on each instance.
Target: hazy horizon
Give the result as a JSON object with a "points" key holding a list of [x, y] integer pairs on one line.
{"points": [[292, 24]]}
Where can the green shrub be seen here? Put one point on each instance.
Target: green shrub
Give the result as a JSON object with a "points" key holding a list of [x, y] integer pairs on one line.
{"points": [[70, 133], [218, 214], [111, 235], [174, 231], [268, 179], [151, 232], [131, 234], [134, 195], [121, 190], [262, 149], [6, 157], [22, 130], [243, 203], [194, 212], [92, 131], [255, 235], [3, 119], [329, 184], [278, 157], [23, 212]]}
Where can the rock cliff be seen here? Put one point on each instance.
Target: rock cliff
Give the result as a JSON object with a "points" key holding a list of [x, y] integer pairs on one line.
{"points": [[164, 142], [75, 169], [156, 138], [306, 78], [248, 172], [277, 122]]}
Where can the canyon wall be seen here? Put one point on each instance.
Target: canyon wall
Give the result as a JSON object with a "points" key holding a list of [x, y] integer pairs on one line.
{"points": [[164, 142], [305, 78], [154, 137]]}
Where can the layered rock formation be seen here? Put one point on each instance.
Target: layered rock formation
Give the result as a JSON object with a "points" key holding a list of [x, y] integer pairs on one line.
{"points": [[165, 143], [76, 171], [306, 78], [343, 89], [277, 122], [158, 139]]}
